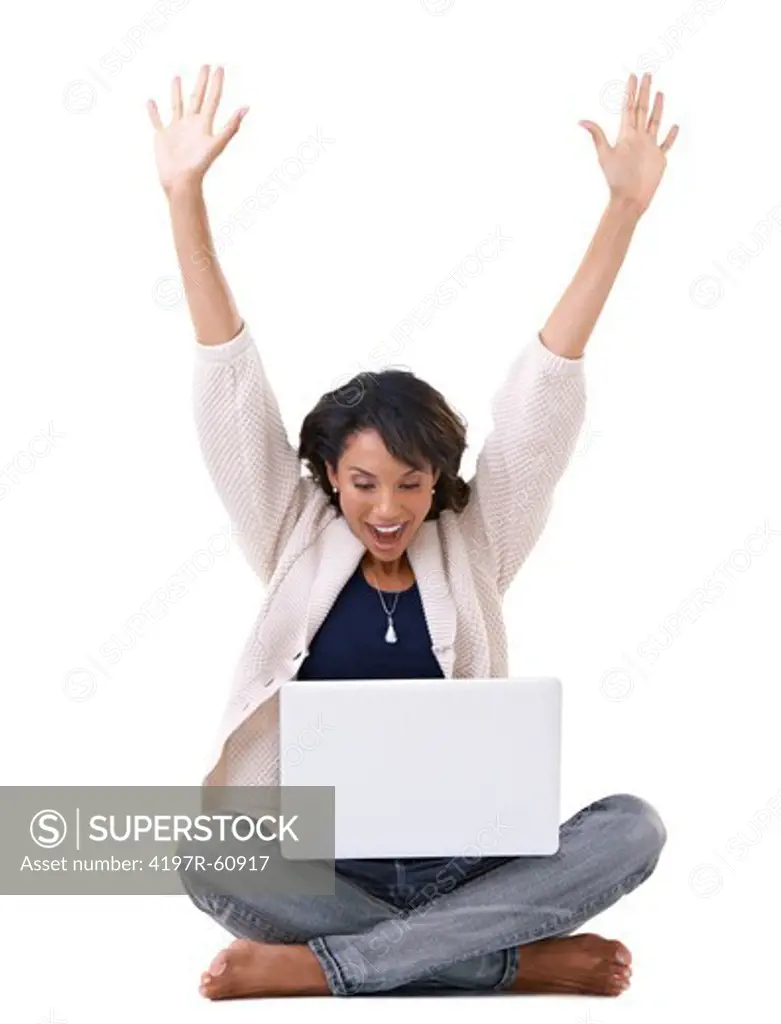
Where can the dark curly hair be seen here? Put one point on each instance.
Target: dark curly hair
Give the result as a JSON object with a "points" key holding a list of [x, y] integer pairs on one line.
{"points": [[415, 422]]}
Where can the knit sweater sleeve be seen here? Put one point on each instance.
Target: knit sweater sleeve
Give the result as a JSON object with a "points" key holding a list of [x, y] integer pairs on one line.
{"points": [[254, 468], [537, 415]]}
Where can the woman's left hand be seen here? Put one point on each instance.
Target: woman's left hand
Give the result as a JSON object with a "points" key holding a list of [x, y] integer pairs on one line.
{"points": [[635, 165]]}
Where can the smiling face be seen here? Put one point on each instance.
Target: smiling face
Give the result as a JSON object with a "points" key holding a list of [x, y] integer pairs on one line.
{"points": [[376, 490]]}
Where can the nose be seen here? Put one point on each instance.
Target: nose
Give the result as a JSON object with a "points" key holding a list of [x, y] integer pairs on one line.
{"points": [[387, 506]]}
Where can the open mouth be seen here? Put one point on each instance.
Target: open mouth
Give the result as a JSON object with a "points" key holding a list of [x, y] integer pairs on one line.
{"points": [[386, 538]]}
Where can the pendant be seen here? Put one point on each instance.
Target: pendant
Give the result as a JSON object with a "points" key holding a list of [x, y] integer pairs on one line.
{"points": [[390, 636]]}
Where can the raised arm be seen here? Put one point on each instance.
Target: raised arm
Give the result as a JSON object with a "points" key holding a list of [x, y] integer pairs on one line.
{"points": [[539, 409], [253, 466], [184, 151], [537, 415], [633, 169]]}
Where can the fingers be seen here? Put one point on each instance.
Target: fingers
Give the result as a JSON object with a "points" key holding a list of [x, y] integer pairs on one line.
{"points": [[598, 136], [628, 108], [196, 96], [213, 98], [670, 139], [635, 111], [176, 97], [154, 114], [656, 115], [230, 129], [641, 110]]}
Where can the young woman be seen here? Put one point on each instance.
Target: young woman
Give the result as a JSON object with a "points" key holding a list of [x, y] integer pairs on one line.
{"points": [[381, 563]]}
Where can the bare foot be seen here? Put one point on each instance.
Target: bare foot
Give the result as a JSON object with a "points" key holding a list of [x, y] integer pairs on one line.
{"points": [[580, 964], [247, 968]]}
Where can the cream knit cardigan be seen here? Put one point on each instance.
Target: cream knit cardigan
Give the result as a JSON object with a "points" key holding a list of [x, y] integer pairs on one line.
{"points": [[304, 552]]}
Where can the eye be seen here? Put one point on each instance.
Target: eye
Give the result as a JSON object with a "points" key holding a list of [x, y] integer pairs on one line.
{"points": [[404, 487]]}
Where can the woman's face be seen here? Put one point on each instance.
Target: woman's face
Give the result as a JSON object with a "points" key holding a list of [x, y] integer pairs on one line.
{"points": [[377, 490]]}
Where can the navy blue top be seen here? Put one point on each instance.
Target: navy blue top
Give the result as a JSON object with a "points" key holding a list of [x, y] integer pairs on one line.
{"points": [[350, 643]]}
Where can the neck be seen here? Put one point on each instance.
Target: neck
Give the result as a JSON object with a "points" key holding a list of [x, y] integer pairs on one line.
{"points": [[389, 571]]}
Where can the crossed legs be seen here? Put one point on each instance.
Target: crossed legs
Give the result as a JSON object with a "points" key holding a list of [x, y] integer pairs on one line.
{"points": [[505, 929]]}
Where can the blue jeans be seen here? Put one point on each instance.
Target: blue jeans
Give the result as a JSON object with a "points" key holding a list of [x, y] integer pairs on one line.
{"points": [[438, 924]]}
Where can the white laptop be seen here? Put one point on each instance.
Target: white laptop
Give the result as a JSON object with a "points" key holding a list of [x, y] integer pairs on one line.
{"points": [[429, 767]]}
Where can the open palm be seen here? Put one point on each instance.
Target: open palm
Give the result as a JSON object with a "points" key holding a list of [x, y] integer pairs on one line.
{"points": [[187, 147], [635, 165]]}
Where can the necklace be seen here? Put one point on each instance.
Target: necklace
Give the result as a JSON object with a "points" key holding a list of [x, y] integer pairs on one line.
{"points": [[390, 633]]}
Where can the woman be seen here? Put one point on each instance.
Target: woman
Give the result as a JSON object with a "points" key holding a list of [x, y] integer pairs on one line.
{"points": [[383, 562]]}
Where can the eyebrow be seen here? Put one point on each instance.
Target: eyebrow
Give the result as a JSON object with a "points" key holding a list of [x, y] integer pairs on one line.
{"points": [[367, 473]]}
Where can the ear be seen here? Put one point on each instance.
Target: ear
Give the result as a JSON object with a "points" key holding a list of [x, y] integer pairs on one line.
{"points": [[332, 478]]}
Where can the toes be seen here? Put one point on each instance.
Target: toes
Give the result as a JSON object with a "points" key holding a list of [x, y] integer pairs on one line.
{"points": [[614, 984], [214, 988], [618, 983], [213, 980], [218, 982], [219, 963], [621, 954]]}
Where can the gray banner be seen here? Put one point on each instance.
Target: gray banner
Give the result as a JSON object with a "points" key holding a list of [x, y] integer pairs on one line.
{"points": [[145, 840]]}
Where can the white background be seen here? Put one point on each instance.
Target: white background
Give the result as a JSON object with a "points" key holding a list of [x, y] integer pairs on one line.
{"points": [[446, 120]]}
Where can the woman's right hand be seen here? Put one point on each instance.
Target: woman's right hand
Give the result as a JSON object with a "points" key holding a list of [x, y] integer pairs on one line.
{"points": [[186, 148]]}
